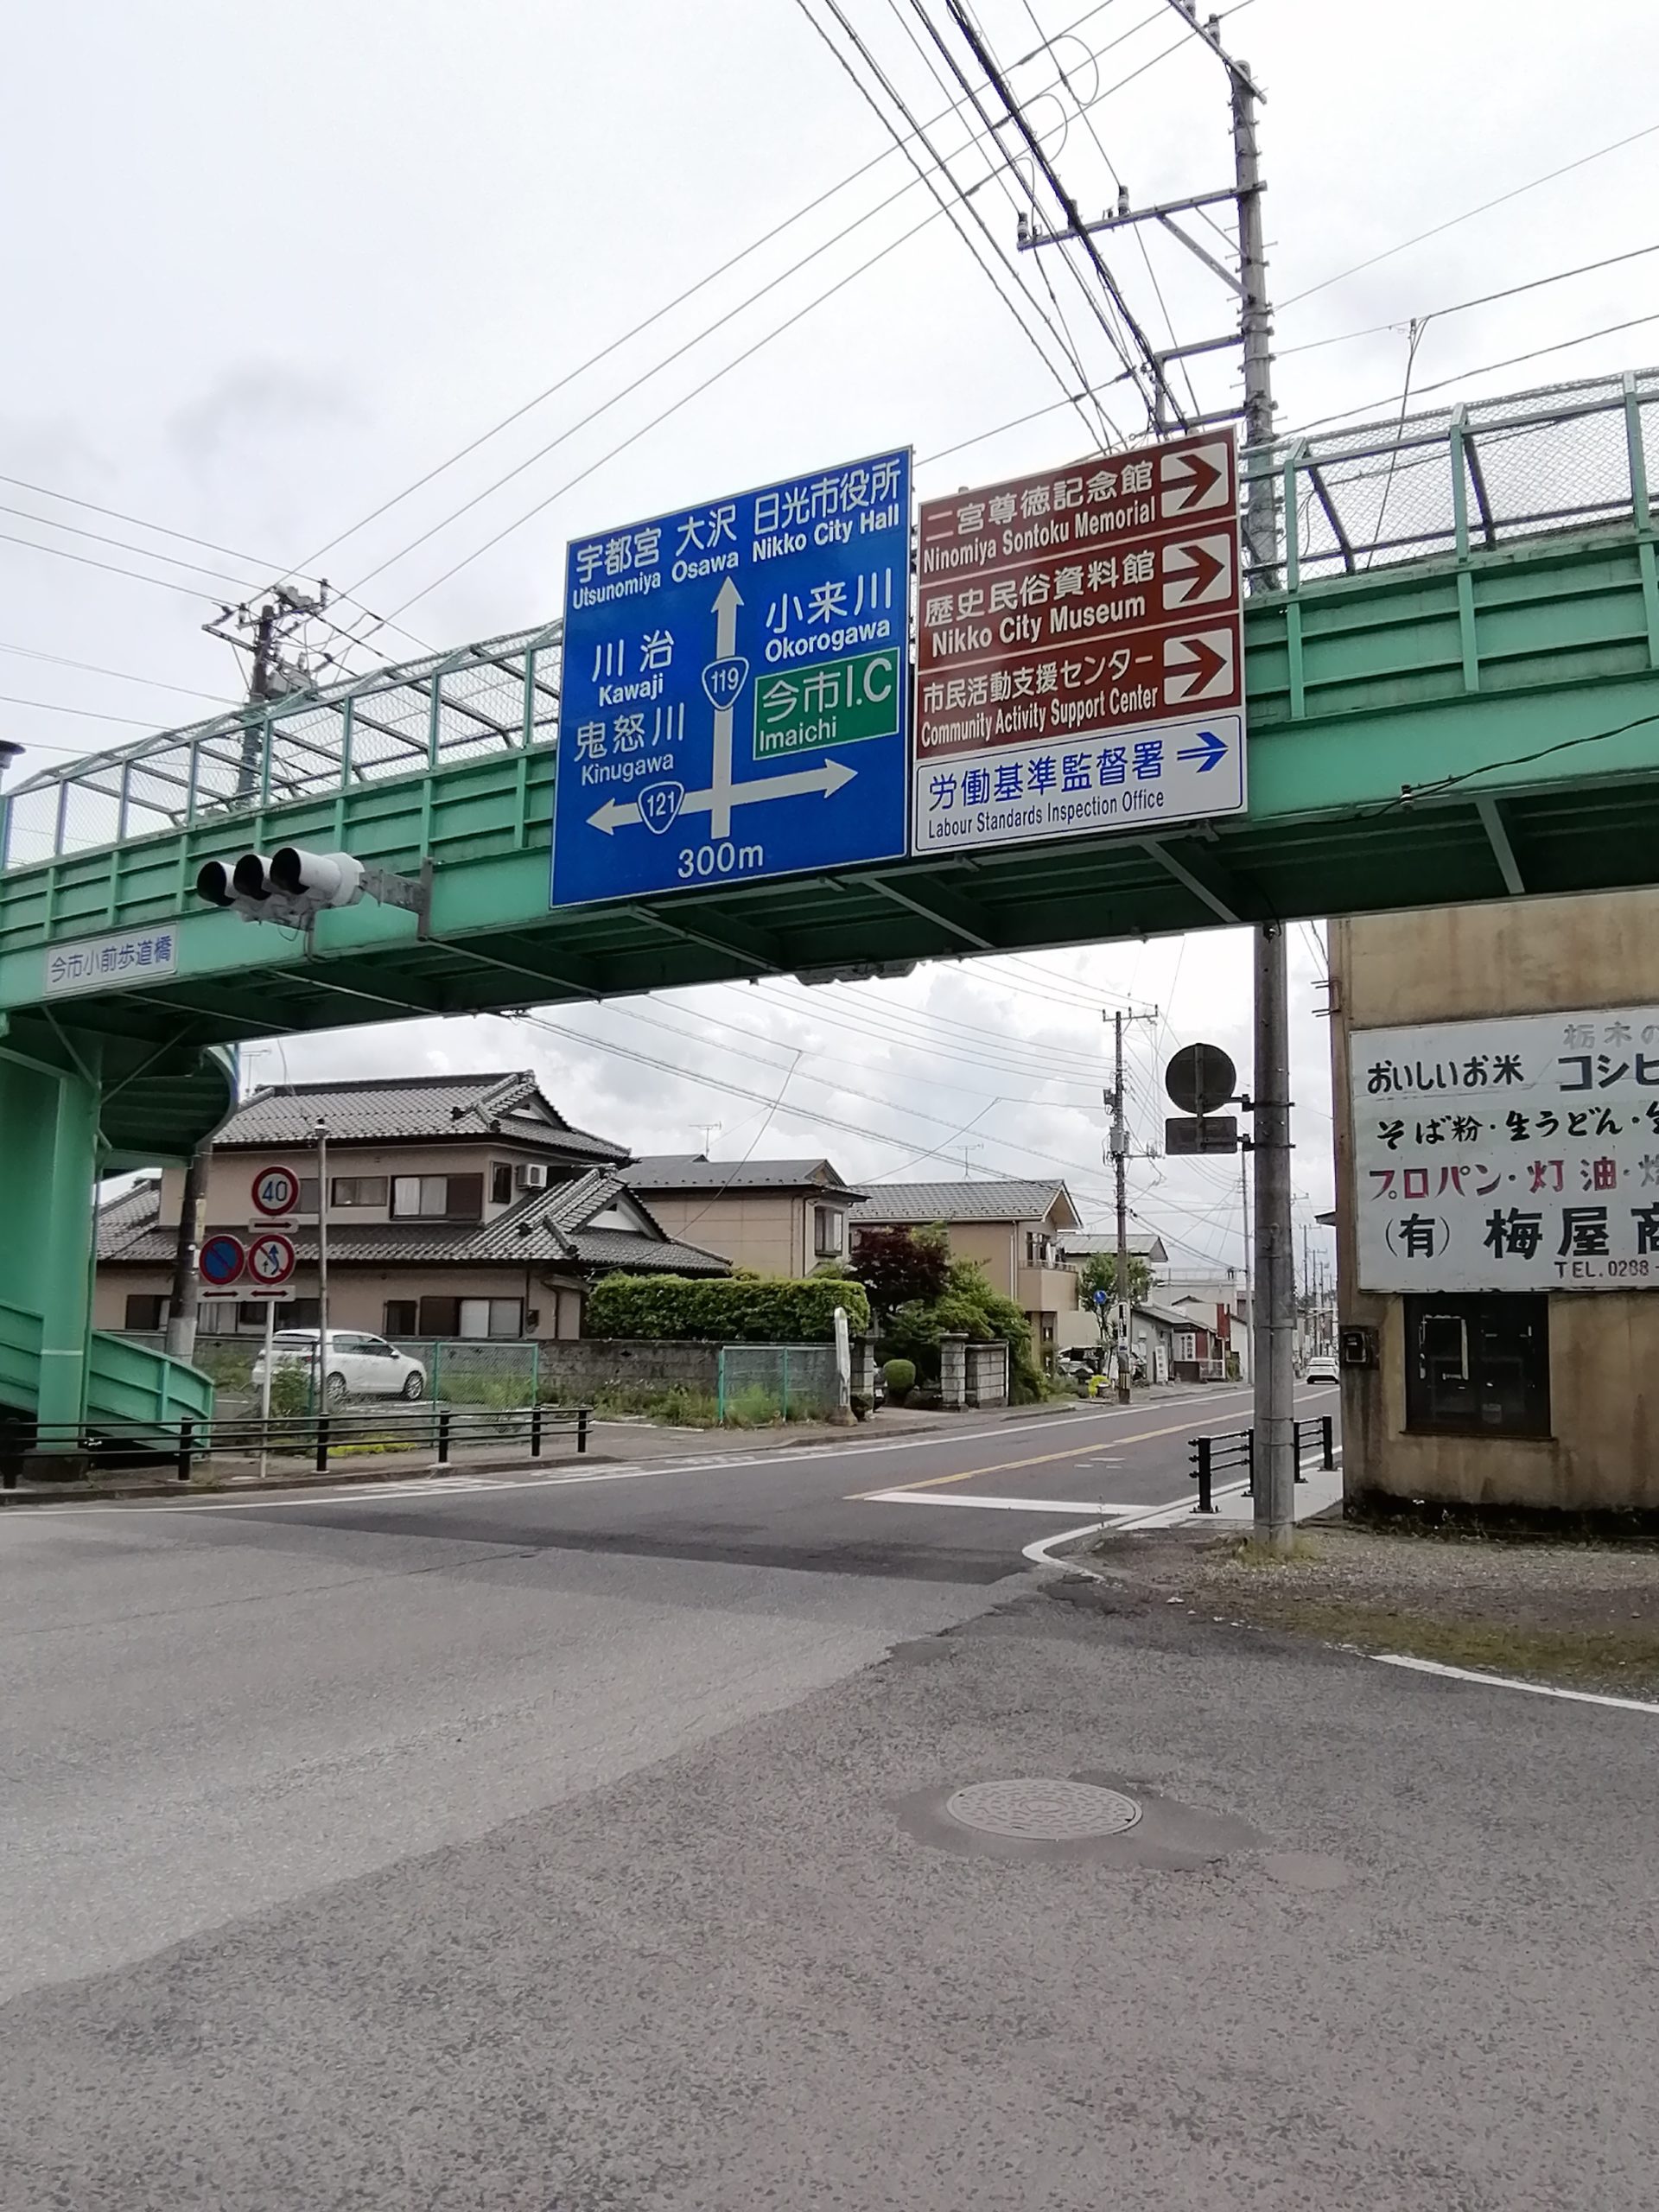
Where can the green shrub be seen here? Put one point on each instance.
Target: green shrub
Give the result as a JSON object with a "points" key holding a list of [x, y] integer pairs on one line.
{"points": [[969, 1304], [901, 1378], [739, 1309], [752, 1406], [290, 1390]]}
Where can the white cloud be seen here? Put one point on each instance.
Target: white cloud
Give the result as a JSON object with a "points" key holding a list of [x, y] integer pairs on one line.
{"points": [[335, 256]]}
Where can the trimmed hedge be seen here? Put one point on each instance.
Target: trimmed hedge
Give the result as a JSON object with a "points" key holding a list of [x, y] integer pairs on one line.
{"points": [[754, 1309]]}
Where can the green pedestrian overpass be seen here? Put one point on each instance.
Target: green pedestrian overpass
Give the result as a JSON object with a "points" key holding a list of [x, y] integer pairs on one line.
{"points": [[1451, 661]]}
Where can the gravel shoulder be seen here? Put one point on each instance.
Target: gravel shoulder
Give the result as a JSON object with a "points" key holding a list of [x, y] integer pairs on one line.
{"points": [[1579, 1616]]}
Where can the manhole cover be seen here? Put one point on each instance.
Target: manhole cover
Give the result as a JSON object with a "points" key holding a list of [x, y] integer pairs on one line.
{"points": [[1043, 1810]]}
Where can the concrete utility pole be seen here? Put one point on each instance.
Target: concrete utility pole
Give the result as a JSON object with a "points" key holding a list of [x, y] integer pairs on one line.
{"points": [[1121, 1166], [1274, 1333]]}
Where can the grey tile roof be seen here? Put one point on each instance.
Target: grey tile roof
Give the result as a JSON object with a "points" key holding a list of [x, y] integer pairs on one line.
{"points": [[545, 1227], [994, 1198], [412, 1109], [123, 1220], [1142, 1246], [695, 1171]]}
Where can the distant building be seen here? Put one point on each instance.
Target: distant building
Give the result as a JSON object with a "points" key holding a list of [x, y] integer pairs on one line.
{"points": [[1014, 1228], [458, 1206], [779, 1217]]}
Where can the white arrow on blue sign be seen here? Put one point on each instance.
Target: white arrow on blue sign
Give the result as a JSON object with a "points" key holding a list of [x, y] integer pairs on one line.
{"points": [[735, 689]]}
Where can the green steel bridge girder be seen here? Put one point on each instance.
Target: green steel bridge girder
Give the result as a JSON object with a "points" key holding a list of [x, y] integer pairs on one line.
{"points": [[1491, 667]]}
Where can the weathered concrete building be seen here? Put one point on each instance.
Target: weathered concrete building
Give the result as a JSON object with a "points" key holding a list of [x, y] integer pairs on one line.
{"points": [[1496, 1076]]}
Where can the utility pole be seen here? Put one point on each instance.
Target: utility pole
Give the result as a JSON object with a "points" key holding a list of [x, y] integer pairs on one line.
{"points": [[269, 678], [1272, 1308], [1121, 1166], [1276, 1376]]}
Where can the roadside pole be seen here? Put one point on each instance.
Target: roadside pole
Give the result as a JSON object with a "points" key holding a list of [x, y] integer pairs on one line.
{"points": [[265, 1385], [1273, 1382], [1121, 1165], [320, 1403]]}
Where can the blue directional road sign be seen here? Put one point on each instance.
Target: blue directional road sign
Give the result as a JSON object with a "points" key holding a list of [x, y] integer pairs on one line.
{"points": [[735, 689]]}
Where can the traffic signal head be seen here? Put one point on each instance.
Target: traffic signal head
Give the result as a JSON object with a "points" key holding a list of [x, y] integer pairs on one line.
{"points": [[243, 886], [317, 879], [290, 887]]}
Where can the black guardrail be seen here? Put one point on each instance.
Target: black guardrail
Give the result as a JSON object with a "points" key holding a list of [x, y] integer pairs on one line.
{"points": [[1213, 1455], [315, 1437]]}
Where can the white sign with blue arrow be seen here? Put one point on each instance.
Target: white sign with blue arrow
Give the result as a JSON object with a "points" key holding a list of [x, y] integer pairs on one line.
{"points": [[735, 679], [1150, 777]]}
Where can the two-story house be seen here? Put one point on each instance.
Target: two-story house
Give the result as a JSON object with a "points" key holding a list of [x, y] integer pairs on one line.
{"points": [[457, 1206], [1013, 1229], [779, 1217]]}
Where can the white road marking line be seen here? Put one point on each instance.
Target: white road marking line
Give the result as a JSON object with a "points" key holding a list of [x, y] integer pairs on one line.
{"points": [[999, 1504], [321, 1494], [1509, 1682]]}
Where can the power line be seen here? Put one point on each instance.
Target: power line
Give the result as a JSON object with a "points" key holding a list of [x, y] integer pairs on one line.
{"points": [[121, 675], [136, 575], [1486, 368], [944, 206], [667, 309], [1100, 147], [90, 714], [1468, 215], [657, 420], [1484, 300], [125, 545], [1096, 306], [616, 398]]}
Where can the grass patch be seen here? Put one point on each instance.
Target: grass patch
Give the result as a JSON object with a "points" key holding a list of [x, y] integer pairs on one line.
{"points": [[1251, 1552], [1626, 1658]]}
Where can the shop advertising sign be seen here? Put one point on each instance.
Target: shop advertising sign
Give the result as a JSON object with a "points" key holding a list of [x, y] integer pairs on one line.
{"points": [[1080, 651], [1520, 1154]]}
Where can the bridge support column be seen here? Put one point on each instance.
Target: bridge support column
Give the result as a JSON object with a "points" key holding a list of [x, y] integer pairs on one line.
{"points": [[48, 1170]]}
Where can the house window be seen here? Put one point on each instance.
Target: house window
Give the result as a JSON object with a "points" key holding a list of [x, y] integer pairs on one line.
{"points": [[309, 1188], [145, 1310], [827, 1231], [500, 1182], [400, 1317], [437, 1197], [1477, 1366], [299, 1314], [358, 1191], [492, 1317], [439, 1317]]}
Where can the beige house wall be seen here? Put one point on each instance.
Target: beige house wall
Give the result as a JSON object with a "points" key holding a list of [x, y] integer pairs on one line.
{"points": [[357, 1296], [230, 1176], [767, 1230], [1523, 957]]}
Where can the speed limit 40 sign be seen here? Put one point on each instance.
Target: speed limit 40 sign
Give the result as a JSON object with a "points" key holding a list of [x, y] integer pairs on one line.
{"points": [[276, 1192]]}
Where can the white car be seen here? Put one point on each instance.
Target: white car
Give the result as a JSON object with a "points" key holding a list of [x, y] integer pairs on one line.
{"points": [[1321, 1368], [357, 1366]]}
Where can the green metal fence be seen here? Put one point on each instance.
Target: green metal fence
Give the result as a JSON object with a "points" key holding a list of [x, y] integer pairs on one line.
{"points": [[761, 1383]]}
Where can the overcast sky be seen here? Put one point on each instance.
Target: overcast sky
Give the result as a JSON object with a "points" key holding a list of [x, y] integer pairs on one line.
{"points": [[265, 270]]}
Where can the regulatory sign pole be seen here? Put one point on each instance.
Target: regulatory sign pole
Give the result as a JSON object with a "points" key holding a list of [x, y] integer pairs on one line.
{"points": [[265, 1385]]}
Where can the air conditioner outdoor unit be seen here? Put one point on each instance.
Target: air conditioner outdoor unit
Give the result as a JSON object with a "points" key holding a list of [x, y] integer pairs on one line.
{"points": [[532, 1176]]}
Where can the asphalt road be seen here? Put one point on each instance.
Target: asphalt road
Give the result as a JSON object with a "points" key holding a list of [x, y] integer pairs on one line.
{"points": [[570, 1842]]}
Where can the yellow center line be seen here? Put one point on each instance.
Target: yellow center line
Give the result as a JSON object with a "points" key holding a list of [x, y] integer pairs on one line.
{"points": [[1043, 1459]]}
